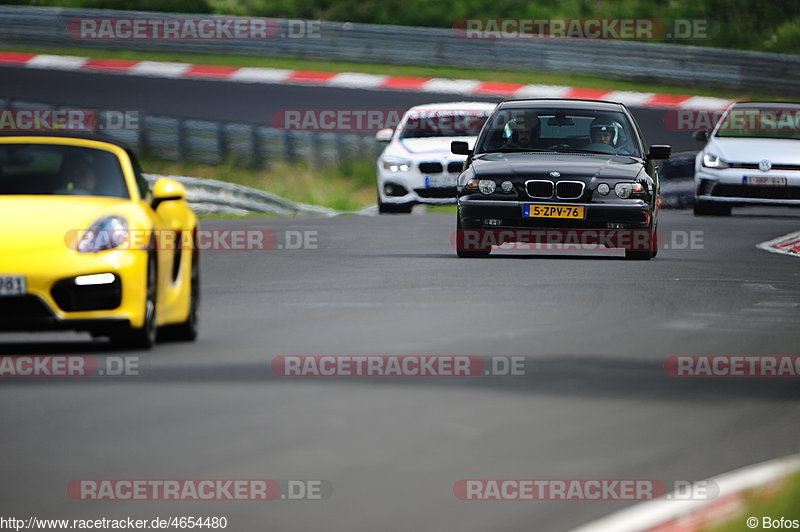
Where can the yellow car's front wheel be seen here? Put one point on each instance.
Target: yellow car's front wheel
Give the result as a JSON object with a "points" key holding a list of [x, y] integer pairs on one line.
{"points": [[186, 331], [145, 336]]}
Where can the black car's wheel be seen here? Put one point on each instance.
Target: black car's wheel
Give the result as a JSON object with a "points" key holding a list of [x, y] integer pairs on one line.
{"points": [[654, 242], [644, 254], [143, 337], [186, 331], [705, 208], [473, 252], [394, 208]]}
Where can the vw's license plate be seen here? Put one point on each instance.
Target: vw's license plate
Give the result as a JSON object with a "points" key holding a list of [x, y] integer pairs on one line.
{"points": [[12, 285], [440, 181], [764, 180], [554, 211]]}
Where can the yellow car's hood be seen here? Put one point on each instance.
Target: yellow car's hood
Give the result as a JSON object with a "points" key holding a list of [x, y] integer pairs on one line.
{"points": [[29, 223]]}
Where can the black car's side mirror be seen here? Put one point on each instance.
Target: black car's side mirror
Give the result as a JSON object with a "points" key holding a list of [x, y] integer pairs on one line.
{"points": [[701, 135], [459, 147], [660, 151]]}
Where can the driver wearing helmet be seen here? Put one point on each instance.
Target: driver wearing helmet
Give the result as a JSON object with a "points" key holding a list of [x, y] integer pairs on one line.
{"points": [[603, 131]]}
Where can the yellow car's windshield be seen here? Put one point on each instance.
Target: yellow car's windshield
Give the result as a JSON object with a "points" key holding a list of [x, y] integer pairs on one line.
{"points": [[50, 169]]}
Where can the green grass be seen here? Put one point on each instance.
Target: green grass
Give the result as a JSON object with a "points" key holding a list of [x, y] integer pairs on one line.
{"points": [[762, 503], [527, 77], [347, 188]]}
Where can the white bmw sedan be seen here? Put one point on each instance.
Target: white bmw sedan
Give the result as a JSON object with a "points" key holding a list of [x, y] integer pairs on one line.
{"points": [[417, 165], [752, 158]]}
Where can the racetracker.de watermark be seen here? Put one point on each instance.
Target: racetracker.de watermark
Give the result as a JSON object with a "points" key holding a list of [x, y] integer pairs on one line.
{"points": [[584, 28], [599, 489], [68, 366], [20, 120], [396, 366], [191, 29], [733, 366], [737, 120], [452, 120], [198, 489], [575, 239], [87, 240]]}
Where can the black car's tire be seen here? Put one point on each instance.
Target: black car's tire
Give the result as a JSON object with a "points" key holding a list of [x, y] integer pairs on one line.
{"points": [[143, 337], [186, 331], [635, 254], [645, 254], [705, 208], [394, 208], [655, 243], [463, 253]]}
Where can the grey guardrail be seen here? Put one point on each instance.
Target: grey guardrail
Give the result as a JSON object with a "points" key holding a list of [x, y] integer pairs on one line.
{"points": [[344, 41], [209, 196]]}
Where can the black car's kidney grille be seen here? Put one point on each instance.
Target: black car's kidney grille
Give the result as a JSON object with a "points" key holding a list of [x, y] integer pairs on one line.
{"points": [[539, 189], [569, 189], [455, 167], [430, 168]]}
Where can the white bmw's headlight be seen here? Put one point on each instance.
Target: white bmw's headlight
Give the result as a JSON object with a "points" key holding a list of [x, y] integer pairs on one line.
{"points": [[713, 161], [395, 165], [109, 232]]}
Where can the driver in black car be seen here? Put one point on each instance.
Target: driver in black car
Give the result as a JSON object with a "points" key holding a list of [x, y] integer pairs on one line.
{"points": [[604, 131], [525, 131]]}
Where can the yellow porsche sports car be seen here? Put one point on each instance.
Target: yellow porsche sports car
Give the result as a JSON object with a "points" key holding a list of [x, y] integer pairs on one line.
{"points": [[83, 242]]}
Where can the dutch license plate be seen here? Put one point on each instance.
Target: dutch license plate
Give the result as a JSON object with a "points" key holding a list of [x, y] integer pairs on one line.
{"points": [[554, 211], [764, 181], [12, 285]]}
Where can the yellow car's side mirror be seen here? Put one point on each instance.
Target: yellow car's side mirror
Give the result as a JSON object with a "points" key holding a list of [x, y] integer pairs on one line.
{"points": [[167, 190]]}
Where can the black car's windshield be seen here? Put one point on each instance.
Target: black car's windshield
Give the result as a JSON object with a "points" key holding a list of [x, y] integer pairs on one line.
{"points": [[50, 169], [761, 123], [562, 130], [447, 123]]}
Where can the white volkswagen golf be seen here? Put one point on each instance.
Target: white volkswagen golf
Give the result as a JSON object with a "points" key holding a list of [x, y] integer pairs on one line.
{"points": [[752, 158], [417, 165]]}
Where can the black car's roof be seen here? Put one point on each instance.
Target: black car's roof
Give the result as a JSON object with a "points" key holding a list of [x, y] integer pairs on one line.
{"points": [[555, 103], [68, 135]]}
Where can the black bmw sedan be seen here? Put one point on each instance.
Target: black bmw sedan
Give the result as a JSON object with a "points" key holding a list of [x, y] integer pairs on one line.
{"points": [[559, 171]]}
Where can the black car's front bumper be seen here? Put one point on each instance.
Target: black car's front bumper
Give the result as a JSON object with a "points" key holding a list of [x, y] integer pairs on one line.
{"points": [[483, 213]]}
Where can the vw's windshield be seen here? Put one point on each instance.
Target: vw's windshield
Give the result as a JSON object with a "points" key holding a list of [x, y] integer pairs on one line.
{"points": [[761, 123]]}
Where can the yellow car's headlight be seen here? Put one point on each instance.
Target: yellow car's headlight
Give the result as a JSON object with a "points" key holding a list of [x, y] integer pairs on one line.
{"points": [[109, 232]]}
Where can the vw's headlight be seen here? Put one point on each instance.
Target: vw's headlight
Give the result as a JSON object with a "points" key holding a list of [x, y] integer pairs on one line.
{"points": [[396, 165], [109, 232], [712, 161], [626, 190]]}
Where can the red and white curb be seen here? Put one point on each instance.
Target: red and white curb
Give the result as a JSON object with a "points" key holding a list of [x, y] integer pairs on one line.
{"points": [[672, 515], [785, 245], [354, 80]]}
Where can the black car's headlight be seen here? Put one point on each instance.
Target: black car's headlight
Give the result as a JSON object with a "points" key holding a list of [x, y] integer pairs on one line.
{"points": [[626, 190], [485, 186]]}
